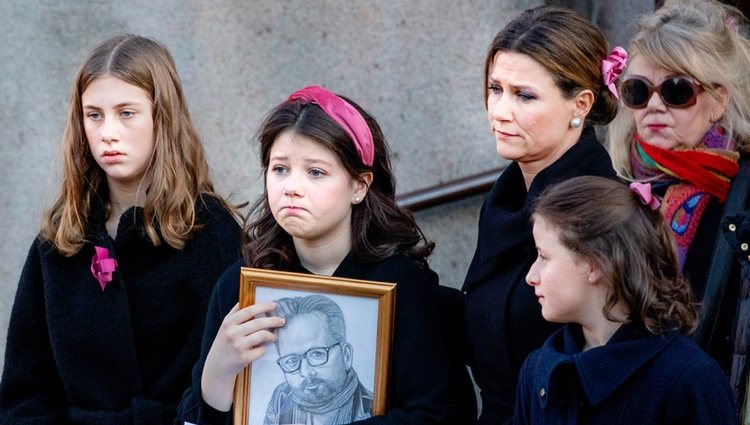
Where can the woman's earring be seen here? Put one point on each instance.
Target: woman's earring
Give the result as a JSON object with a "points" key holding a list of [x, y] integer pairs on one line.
{"points": [[575, 122], [356, 200]]}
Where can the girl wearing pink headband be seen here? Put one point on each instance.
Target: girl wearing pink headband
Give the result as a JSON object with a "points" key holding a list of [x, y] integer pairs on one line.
{"points": [[345, 115], [329, 209]]}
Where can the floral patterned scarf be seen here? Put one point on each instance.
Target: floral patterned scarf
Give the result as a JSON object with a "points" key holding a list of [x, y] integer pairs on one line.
{"points": [[691, 177]]}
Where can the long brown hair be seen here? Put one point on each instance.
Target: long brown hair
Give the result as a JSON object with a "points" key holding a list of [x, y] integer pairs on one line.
{"points": [[177, 172], [603, 221], [380, 228], [568, 46]]}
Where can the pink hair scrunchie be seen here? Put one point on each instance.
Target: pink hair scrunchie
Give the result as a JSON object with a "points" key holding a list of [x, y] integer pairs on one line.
{"points": [[612, 67], [345, 115], [644, 193]]}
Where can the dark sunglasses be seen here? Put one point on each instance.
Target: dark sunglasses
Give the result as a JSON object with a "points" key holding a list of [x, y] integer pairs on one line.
{"points": [[675, 92]]}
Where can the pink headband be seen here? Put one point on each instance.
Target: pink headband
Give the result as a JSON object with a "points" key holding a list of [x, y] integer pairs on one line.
{"points": [[613, 66], [345, 115]]}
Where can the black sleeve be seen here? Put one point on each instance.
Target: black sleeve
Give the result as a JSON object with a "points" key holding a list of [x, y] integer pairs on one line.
{"points": [[419, 387], [192, 408], [31, 390]]}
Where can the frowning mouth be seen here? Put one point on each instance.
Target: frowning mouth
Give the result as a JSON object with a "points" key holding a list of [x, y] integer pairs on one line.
{"points": [[292, 209]]}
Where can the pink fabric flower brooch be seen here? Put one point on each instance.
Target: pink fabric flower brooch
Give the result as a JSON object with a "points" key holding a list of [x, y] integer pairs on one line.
{"points": [[102, 266]]}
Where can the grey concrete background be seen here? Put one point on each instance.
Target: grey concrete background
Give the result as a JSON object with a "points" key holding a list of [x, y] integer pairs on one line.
{"points": [[416, 65]]}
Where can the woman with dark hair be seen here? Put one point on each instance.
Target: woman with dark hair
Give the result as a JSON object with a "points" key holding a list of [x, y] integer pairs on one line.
{"points": [[329, 209], [548, 78]]}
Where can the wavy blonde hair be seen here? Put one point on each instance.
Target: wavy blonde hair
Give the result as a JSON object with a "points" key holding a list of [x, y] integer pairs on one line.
{"points": [[702, 39], [177, 172]]}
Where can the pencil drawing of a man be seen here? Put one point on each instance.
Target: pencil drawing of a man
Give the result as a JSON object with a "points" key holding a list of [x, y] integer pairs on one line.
{"points": [[321, 386]]}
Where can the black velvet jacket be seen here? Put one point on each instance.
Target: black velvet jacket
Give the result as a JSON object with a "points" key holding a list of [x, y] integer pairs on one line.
{"points": [[503, 318], [423, 386], [77, 354]]}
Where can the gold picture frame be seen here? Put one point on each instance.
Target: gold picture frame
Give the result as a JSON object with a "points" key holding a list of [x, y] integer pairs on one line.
{"points": [[362, 302]]}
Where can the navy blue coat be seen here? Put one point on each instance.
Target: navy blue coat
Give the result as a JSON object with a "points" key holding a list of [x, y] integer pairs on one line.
{"points": [[504, 321], [636, 378], [424, 388], [80, 355]]}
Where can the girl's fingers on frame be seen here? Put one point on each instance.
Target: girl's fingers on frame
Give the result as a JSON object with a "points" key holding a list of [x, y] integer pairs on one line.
{"points": [[261, 323], [257, 339], [261, 308], [231, 318], [253, 354], [247, 313]]}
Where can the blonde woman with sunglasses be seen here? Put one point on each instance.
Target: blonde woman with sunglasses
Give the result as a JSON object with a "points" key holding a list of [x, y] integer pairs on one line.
{"points": [[683, 126]]}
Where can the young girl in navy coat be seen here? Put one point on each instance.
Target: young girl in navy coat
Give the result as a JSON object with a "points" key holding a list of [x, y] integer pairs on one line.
{"points": [[607, 267], [329, 209], [109, 311]]}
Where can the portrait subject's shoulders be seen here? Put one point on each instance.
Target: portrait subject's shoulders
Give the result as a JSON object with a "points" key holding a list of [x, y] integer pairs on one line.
{"points": [[276, 407]]}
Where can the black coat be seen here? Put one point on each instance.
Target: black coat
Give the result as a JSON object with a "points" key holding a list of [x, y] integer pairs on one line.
{"points": [[736, 228], [420, 390], [695, 270], [729, 338], [503, 318], [77, 354]]}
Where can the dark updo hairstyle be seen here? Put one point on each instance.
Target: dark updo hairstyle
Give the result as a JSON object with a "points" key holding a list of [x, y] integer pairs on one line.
{"points": [[568, 46], [603, 221], [380, 228]]}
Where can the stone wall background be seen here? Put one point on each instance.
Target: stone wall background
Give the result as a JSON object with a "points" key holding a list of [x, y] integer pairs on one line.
{"points": [[416, 65]]}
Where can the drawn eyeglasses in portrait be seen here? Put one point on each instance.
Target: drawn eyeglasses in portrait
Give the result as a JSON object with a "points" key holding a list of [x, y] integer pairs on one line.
{"points": [[316, 356], [330, 362]]}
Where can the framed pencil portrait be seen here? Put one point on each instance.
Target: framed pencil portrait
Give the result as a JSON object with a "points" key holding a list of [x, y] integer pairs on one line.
{"points": [[331, 359]]}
